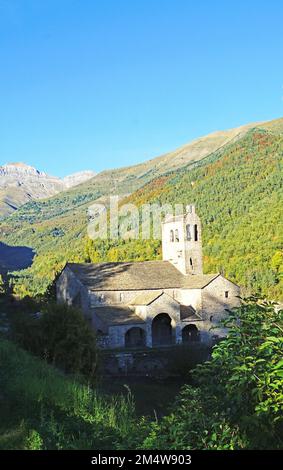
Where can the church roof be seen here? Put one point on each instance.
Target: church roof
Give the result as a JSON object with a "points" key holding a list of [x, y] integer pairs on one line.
{"points": [[117, 315], [138, 275], [188, 312]]}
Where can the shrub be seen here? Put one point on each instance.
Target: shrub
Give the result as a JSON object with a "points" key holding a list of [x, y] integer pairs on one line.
{"points": [[238, 391], [62, 336]]}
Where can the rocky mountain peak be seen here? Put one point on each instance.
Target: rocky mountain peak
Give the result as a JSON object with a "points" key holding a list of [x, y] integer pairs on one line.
{"points": [[21, 183]]}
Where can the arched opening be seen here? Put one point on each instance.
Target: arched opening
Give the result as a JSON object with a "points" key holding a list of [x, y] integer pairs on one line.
{"points": [[161, 330], [196, 232], [177, 239], [190, 333], [188, 231], [171, 235], [135, 337]]}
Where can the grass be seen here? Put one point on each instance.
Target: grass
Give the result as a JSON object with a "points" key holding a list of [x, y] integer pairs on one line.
{"points": [[42, 408]]}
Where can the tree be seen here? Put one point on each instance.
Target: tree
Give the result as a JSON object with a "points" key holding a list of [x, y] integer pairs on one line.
{"points": [[62, 336], [238, 391]]}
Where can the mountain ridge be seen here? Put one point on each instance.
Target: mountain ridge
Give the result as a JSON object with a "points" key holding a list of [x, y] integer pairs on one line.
{"points": [[21, 183]]}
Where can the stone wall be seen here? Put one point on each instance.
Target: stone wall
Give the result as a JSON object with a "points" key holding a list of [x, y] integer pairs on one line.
{"points": [[69, 288], [117, 334], [157, 363], [164, 304], [215, 303], [191, 297], [123, 297]]}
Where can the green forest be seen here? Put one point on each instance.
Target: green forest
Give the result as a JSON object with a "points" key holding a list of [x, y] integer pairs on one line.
{"points": [[238, 192]]}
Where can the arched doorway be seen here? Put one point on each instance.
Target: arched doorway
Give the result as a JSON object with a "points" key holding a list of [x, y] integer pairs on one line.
{"points": [[161, 330], [135, 337], [190, 333]]}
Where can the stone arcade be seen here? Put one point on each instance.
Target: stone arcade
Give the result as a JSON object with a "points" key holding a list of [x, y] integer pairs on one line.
{"points": [[154, 303]]}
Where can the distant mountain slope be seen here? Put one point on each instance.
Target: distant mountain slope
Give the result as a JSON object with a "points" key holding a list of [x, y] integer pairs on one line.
{"points": [[238, 191], [77, 178], [124, 181], [21, 183]]}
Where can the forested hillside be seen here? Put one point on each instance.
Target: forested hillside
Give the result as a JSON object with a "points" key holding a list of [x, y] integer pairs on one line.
{"points": [[238, 191], [239, 197]]}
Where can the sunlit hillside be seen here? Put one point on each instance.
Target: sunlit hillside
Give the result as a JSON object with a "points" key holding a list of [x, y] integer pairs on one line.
{"points": [[238, 191]]}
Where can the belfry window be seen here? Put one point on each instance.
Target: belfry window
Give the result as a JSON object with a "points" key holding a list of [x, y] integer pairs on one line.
{"points": [[177, 239], [196, 232], [191, 262], [101, 298], [188, 230], [171, 235]]}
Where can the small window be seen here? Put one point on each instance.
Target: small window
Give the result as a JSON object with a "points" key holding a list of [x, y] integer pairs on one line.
{"points": [[122, 297], [177, 239], [226, 294], [171, 235], [196, 232], [191, 262], [211, 318]]}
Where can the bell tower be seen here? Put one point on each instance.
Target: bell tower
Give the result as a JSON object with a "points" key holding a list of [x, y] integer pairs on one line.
{"points": [[181, 241]]}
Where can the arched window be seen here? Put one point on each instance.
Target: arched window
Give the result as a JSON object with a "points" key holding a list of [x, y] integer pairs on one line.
{"points": [[190, 333], [196, 232], [171, 235], [188, 231], [177, 239]]}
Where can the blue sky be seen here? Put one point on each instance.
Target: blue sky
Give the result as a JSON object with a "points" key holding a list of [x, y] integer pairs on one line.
{"points": [[96, 84]]}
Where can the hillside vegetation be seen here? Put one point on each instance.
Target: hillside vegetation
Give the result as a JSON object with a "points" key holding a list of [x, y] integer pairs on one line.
{"points": [[238, 191]]}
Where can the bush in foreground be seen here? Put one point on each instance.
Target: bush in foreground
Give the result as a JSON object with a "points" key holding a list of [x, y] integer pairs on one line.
{"points": [[238, 399], [60, 335]]}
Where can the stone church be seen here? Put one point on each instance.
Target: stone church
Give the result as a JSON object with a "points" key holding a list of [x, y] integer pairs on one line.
{"points": [[153, 303]]}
